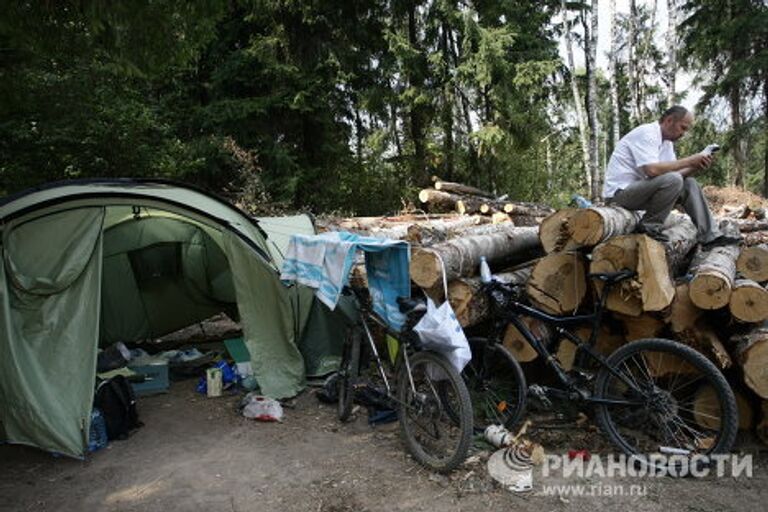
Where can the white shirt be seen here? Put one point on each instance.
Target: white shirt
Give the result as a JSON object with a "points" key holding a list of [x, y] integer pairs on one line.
{"points": [[642, 146]]}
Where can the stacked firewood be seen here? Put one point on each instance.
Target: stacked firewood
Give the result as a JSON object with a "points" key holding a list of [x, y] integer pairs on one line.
{"points": [[715, 301], [446, 196]]}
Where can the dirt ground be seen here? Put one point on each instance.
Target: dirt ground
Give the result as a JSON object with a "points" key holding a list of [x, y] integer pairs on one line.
{"points": [[196, 453]]}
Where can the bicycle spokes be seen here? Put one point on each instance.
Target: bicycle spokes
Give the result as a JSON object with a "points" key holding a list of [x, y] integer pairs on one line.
{"points": [[677, 414]]}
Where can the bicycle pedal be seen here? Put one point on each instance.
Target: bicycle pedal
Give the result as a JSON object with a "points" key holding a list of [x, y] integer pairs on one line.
{"points": [[539, 394]]}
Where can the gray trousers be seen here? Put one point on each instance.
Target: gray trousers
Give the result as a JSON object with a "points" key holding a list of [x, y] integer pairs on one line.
{"points": [[657, 196]]}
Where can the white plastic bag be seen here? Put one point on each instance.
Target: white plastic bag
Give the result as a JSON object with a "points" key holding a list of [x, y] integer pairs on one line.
{"points": [[439, 330], [262, 408]]}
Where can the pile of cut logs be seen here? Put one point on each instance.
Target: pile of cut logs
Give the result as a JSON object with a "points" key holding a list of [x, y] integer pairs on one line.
{"points": [[715, 301]]}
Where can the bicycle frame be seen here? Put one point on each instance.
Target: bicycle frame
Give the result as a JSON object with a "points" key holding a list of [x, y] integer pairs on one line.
{"points": [[366, 313], [515, 310]]}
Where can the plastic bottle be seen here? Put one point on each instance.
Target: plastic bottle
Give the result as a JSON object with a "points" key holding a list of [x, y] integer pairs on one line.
{"points": [[485, 270], [97, 435]]}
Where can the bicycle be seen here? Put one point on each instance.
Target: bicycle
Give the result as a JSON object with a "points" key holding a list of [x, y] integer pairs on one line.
{"points": [[430, 397], [642, 393]]}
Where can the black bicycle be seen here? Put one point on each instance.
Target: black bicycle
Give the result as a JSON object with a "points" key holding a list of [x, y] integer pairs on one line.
{"points": [[643, 393], [428, 393]]}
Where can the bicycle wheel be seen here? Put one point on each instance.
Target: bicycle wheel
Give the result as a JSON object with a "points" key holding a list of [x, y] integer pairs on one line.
{"points": [[348, 373], [496, 385], [435, 437], [662, 378]]}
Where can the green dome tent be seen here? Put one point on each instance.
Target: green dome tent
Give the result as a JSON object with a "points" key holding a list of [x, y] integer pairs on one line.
{"points": [[92, 262]]}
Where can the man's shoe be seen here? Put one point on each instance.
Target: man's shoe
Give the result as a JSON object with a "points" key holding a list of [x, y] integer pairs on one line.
{"points": [[721, 241], [654, 233]]}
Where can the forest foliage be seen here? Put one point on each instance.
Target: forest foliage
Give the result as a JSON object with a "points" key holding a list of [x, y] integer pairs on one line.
{"points": [[353, 105]]}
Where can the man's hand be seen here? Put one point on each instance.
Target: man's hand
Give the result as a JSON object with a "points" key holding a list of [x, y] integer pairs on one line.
{"points": [[695, 164]]}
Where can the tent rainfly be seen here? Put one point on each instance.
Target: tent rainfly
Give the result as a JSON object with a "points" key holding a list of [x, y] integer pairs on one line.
{"points": [[88, 263]]}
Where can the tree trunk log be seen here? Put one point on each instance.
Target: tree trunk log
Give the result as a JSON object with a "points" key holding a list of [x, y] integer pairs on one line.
{"points": [[518, 346], [756, 238], [460, 188], [753, 263], [470, 304], [554, 232], [462, 255], [528, 209], [606, 344], [706, 410], [558, 282], [714, 273], [639, 327], [682, 235], [437, 200], [749, 301], [683, 313], [651, 290], [469, 205], [748, 225], [590, 226], [752, 353]]}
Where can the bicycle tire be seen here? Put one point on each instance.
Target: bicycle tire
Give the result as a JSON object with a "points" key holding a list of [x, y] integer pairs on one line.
{"points": [[436, 382], [348, 373], [665, 408], [496, 384]]}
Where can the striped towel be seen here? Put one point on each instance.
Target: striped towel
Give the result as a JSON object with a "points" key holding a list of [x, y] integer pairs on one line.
{"points": [[324, 261]]}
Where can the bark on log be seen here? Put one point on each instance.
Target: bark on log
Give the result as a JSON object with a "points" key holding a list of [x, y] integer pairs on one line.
{"points": [[752, 354], [461, 256], [460, 188], [470, 304], [753, 263], [558, 282], [756, 238], [590, 226], [554, 231], [706, 409], [470, 205], [748, 226], [682, 235], [437, 200], [714, 274], [430, 233], [749, 301], [528, 209]]}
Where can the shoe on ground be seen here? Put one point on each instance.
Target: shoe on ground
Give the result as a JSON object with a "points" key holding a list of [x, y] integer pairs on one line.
{"points": [[721, 241]]}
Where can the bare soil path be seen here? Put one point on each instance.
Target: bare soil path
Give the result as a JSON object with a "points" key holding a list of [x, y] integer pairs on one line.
{"points": [[196, 453]]}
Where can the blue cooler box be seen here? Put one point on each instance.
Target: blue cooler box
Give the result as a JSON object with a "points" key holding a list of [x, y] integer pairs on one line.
{"points": [[156, 379]]}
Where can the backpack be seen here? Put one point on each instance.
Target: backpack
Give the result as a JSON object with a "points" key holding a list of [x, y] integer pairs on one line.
{"points": [[117, 403]]}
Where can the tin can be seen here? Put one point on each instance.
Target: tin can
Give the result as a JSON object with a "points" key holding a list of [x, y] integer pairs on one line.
{"points": [[498, 436]]}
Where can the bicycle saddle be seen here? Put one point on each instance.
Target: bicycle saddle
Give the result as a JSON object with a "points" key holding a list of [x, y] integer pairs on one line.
{"points": [[613, 277], [410, 305]]}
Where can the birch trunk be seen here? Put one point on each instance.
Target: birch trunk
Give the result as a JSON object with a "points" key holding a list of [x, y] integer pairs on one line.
{"points": [[577, 100], [671, 41], [590, 53], [614, 84]]}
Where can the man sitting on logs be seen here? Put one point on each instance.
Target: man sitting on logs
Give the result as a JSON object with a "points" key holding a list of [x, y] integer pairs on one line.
{"points": [[644, 174]]}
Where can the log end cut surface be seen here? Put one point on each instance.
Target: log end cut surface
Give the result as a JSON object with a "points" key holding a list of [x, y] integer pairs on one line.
{"points": [[709, 291], [749, 302], [425, 269]]}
